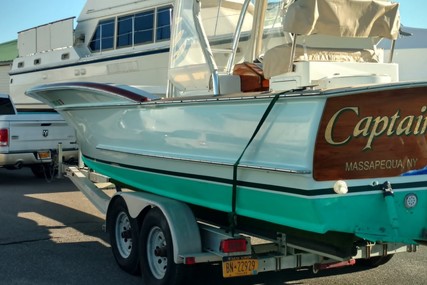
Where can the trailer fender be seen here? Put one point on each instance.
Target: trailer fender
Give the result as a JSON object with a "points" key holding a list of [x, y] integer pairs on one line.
{"points": [[184, 228]]}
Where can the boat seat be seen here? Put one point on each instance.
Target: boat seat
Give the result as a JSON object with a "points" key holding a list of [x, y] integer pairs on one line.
{"points": [[277, 59], [251, 77]]}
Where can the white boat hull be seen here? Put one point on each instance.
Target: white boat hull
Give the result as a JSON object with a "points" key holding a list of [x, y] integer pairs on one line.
{"points": [[188, 149]]}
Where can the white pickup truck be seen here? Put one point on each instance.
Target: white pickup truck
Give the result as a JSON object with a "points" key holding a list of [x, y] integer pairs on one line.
{"points": [[32, 139]]}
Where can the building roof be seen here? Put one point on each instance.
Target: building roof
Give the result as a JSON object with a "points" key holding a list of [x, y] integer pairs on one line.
{"points": [[415, 38], [8, 51]]}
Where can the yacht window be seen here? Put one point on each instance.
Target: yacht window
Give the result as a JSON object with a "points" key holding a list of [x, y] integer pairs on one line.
{"points": [[20, 64], [37, 61], [141, 28], [164, 19], [125, 31], [104, 36], [135, 29], [144, 25]]}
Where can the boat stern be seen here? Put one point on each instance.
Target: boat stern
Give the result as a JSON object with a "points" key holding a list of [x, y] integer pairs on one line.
{"points": [[372, 142]]}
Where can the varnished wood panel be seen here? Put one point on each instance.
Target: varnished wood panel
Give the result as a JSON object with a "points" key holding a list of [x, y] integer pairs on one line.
{"points": [[371, 135]]}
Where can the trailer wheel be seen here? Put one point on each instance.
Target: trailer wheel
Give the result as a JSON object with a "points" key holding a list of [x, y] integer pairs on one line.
{"points": [[123, 231], [156, 249], [374, 261]]}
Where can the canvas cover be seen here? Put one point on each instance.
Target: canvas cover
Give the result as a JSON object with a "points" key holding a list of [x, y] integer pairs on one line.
{"points": [[350, 18], [277, 60]]}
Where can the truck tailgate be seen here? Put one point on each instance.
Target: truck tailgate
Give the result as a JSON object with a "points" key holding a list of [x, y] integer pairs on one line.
{"points": [[39, 132]]}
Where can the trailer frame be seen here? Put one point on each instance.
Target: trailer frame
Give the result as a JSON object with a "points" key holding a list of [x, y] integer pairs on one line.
{"points": [[195, 241]]}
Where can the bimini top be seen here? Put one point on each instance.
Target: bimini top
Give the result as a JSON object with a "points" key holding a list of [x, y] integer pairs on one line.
{"points": [[353, 18]]}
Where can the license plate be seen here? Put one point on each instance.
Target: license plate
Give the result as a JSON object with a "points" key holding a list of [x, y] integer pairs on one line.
{"points": [[239, 266], [43, 154]]}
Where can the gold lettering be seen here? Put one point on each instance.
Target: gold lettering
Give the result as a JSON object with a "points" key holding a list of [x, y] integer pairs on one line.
{"points": [[390, 164], [380, 125], [411, 163], [362, 127], [392, 122], [423, 130], [376, 164], [404, 126], [371, 128], [329, 128], [418, 124]]}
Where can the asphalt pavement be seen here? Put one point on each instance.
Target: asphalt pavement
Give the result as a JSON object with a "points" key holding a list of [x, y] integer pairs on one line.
{"points": [[51, 234]]}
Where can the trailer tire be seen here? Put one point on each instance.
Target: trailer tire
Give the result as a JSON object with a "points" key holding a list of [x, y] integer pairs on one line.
{"points": [[156, 251], [374, 261], [123, 231]]}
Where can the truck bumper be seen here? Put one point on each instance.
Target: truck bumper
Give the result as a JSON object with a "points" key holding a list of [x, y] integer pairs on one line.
{"points": [[18, 160]]}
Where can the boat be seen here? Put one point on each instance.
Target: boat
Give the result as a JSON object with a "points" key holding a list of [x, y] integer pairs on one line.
{"points": [[408, 53], [296, 126], [59, 52]]}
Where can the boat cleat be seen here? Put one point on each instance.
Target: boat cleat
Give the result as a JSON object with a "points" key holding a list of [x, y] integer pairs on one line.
{"points": [[387, 189]]}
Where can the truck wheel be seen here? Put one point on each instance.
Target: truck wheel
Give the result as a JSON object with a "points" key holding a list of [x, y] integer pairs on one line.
{"points": [[43, 170], [156, 251], [123, 231], [374, 261]]}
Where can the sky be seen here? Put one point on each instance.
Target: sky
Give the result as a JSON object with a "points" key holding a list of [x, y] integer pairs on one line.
{"points": [[19, 15]]}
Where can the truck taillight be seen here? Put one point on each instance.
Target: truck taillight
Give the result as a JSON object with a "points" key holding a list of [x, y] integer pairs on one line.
{"points": [[233, 245], [4, 137]]}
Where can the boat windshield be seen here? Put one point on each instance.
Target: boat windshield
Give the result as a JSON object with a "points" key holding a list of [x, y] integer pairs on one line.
{"points": [[211, 36], [203, 41]]}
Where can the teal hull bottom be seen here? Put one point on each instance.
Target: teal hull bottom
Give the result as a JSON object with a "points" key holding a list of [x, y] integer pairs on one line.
{"points": [[333, 219]]}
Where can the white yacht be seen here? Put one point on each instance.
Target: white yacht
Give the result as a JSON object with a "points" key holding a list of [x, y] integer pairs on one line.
{"points": [[120, 41], [410, 53]]}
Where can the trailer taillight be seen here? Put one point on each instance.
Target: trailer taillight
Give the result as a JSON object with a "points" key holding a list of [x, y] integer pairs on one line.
{"points": [[4, 137], [233, 245], [190, 260]]}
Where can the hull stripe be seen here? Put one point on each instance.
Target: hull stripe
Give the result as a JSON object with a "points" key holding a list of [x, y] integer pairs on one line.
{"points": [[268, 187]]}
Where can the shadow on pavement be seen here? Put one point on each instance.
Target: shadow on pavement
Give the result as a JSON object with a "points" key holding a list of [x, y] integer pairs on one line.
{"points": [[51, 234]]}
